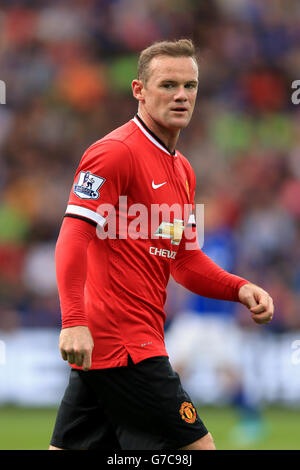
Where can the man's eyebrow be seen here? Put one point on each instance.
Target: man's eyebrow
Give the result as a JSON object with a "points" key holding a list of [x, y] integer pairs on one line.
{"points": [[169, 80]]}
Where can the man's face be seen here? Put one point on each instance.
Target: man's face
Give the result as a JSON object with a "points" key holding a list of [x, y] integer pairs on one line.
{"points": [[170, 93]]}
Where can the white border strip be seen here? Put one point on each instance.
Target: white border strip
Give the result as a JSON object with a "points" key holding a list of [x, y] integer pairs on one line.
{"points": [[89, 214], [192, 219], [137, 122]]}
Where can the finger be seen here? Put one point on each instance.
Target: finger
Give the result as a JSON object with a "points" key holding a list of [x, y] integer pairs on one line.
{"points": [[78, 359], [264, 313], [261, 319], [87, 361], [260, 308], [63, 354], [264, 303], [250, 302], [71, 358], [264, 317]]}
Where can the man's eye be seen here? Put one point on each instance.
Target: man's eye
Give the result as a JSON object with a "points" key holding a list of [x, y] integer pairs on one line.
{"points": [[167, 85]]}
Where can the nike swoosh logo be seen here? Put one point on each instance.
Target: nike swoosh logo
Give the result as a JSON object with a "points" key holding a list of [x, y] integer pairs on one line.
{"points": [[156, 186]]}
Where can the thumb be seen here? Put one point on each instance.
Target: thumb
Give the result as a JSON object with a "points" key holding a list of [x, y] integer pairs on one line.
{"points": [[250, 302], [255, 303], [250, 295], [259, 308]]}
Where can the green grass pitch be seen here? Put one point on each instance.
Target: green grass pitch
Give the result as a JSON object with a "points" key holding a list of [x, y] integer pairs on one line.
{"points": [[31, 428]]}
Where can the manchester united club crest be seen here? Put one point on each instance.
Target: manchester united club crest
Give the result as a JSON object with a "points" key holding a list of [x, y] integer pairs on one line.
{"points": [[188, 412]]}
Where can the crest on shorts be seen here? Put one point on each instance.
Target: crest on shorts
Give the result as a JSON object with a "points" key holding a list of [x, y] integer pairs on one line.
{"points": [[188, 412], [88, 185]]}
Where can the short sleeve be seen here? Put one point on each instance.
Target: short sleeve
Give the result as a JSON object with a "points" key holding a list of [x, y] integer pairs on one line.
{"points": [[102, 176]]}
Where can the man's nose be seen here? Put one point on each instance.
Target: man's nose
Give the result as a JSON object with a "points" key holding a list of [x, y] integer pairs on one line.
{"points": [[180, 94]]}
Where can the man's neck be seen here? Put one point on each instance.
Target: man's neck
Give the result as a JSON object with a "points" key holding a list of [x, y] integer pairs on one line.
{"points": [[167, 136]]}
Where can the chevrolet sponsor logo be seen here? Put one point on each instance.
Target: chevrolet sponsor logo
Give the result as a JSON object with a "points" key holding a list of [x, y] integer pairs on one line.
{"points": [[162, 252], [171, 230]]}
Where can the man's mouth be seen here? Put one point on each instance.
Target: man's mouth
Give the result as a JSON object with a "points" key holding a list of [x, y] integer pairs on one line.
{"points": [[179, 109]]}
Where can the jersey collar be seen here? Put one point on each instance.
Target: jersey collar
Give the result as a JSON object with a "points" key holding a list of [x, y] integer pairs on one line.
{"points": [[151, 136]]}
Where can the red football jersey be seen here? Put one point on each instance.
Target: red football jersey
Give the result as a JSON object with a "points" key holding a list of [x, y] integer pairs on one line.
{"points": [[141, 199], [128, 273]]}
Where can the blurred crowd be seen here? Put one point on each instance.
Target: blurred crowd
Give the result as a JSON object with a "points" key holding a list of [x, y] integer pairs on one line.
{"points": [[68, 65]]}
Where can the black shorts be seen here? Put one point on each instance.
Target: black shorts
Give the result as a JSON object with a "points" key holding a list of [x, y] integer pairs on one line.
{"points": [[139, 407]]}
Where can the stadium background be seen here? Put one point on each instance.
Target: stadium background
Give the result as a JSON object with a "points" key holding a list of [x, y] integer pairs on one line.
{"points": [[67, 66]]}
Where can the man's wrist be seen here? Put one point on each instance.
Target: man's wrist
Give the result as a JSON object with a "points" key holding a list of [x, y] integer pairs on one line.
{"points": [[71, 324], [242, 284]]}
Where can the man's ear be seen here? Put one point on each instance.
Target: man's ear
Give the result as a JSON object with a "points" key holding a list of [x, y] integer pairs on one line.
{"points": [[138, 89]]}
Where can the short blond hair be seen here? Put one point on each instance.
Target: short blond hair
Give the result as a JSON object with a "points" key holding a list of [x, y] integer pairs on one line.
{"points": [[177, 48]]}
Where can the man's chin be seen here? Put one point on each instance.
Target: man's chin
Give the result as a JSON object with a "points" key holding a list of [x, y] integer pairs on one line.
{"points": [[179, 123]]}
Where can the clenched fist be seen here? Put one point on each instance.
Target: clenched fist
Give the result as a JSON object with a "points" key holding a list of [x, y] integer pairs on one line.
{"points": [[76, 345], [258, 302]]}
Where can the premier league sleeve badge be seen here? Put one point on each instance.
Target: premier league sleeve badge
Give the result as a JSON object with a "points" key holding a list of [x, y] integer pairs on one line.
{"points": [[88, 185]]}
